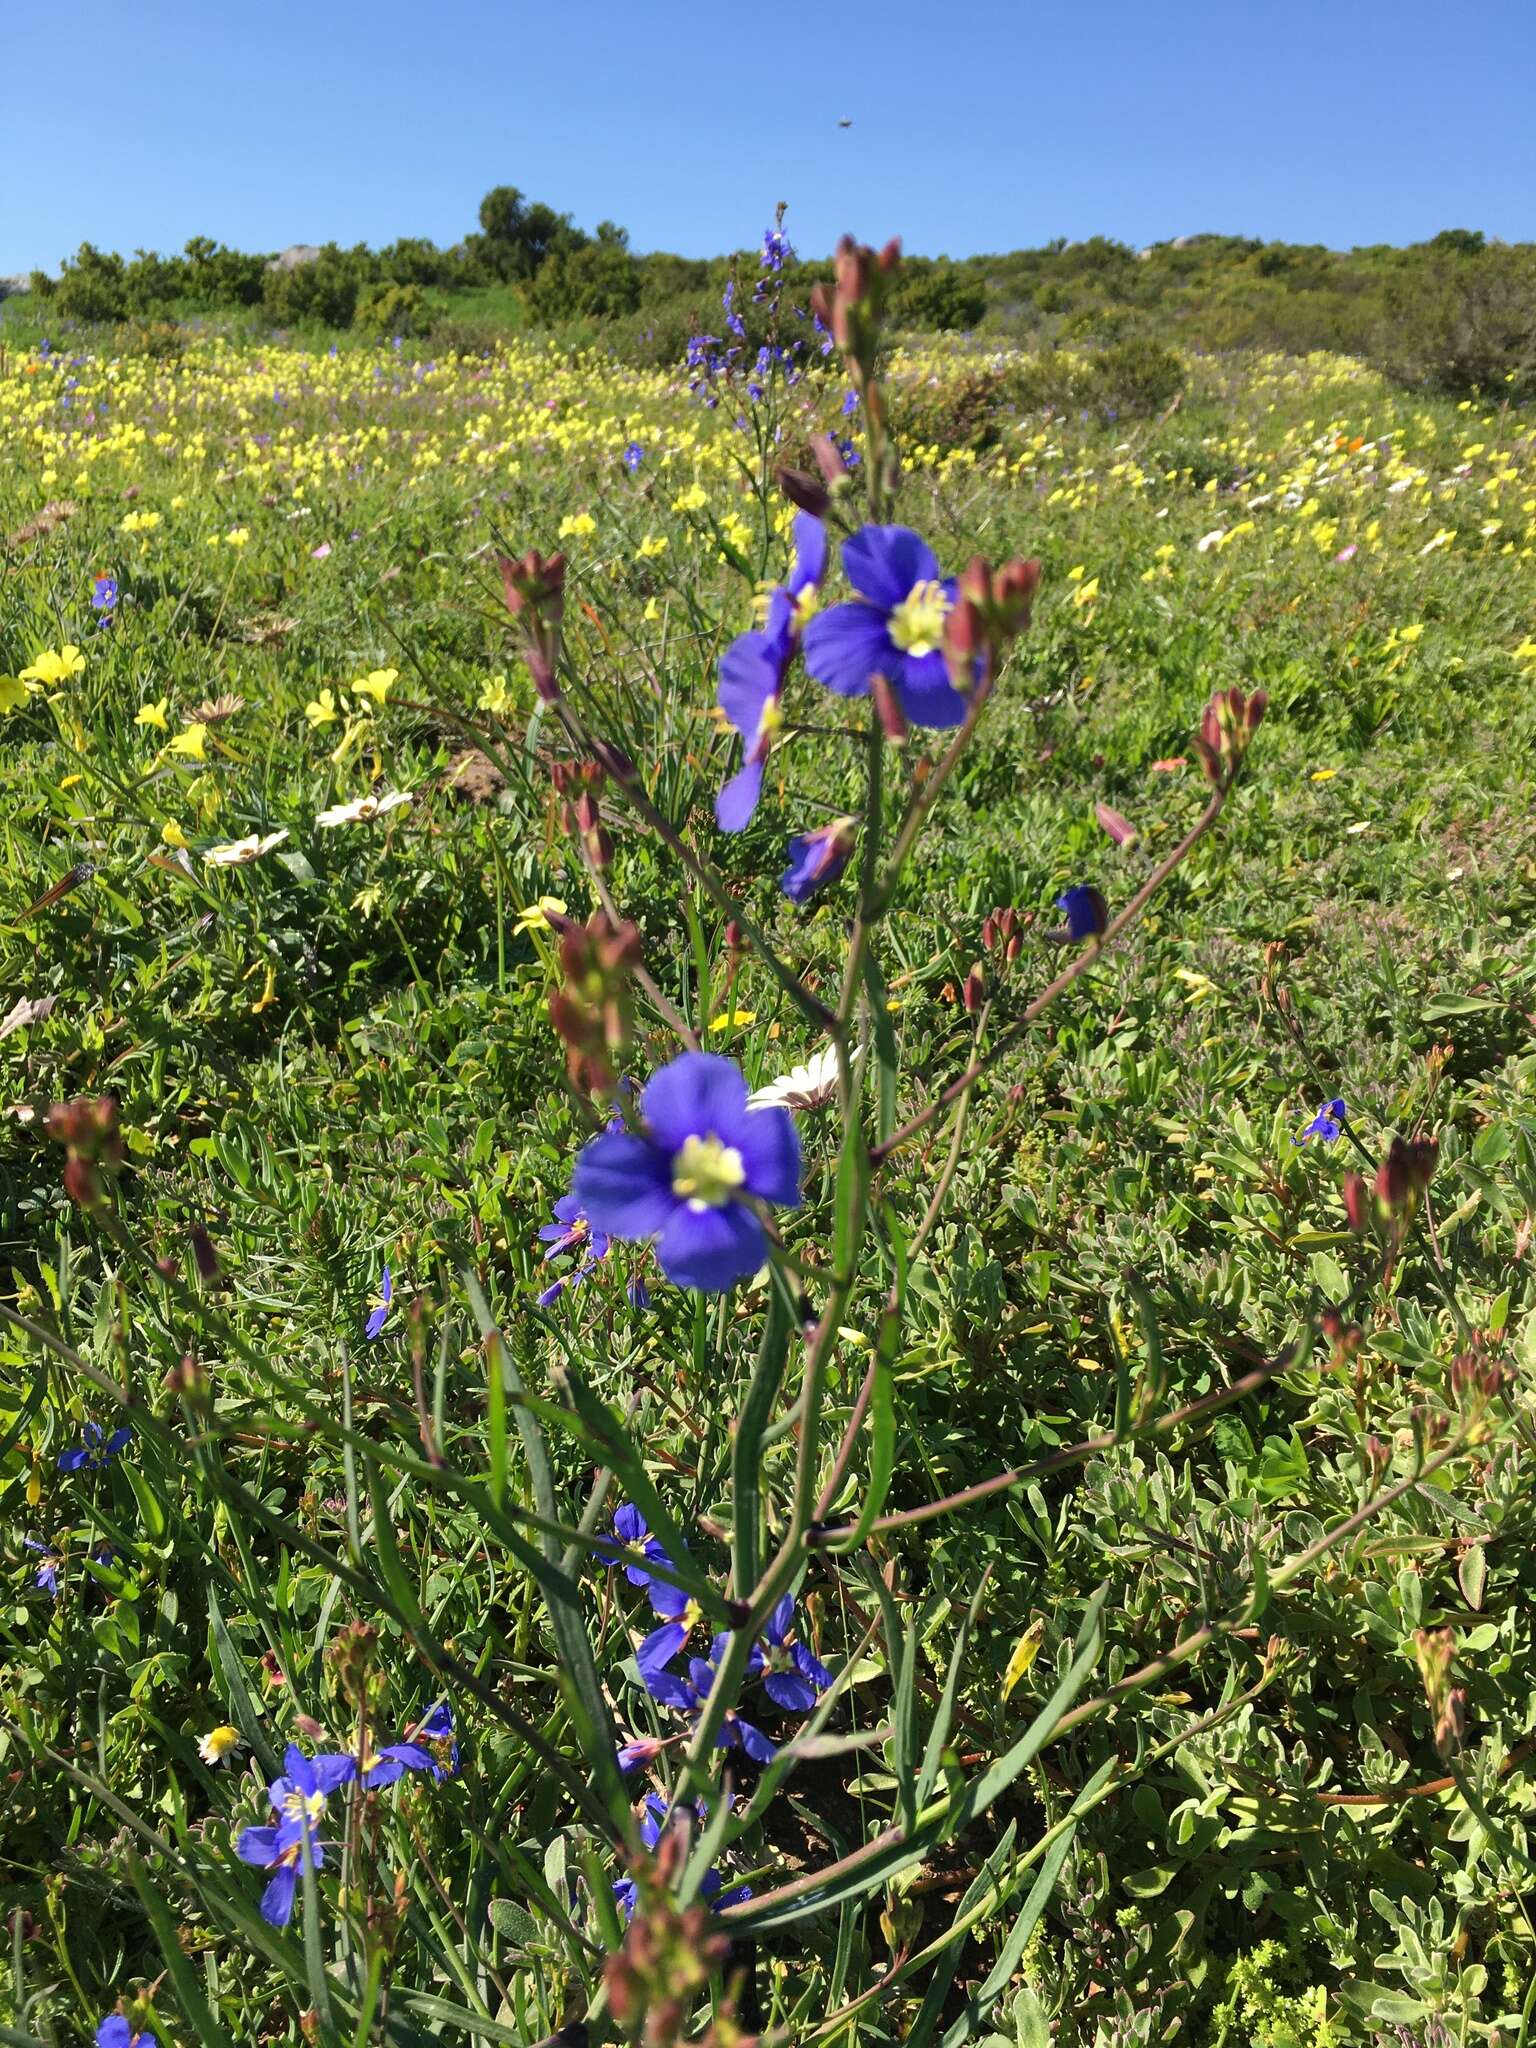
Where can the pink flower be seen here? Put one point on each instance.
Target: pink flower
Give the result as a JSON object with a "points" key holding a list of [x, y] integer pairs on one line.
{"points": [[322, 551], [1347, 554]]}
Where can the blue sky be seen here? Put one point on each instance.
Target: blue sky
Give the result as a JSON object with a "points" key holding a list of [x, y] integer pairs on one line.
{"points": [[975, 127]]}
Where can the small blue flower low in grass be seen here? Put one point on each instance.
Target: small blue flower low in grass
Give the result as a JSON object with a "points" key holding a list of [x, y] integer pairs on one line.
{"points": [[893, 627], [793, 1677], [633, 456], [412, 1753], [1329, 1122], [115, 2032], [817, 858], [47, 1575], [1084, 909], [98, 1449], [572, 1232], [298, 1798], [689, 1179], [688, 1694], [378, 1315], [653, 1821], [104, 596]]}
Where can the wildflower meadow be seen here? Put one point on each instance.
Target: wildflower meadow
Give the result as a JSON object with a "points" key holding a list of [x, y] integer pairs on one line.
{"points": [[768, 1156]]}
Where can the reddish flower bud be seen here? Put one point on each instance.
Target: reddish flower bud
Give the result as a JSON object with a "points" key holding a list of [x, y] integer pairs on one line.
{"points": [[975, 988], [893, 720], [1119, 828], [1357, 1204], [804, 490], [829, 459]]}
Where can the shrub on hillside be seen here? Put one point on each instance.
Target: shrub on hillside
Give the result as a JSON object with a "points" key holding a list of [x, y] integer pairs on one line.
{"points": [[392, 309], [1468, 323], [324, 290]]}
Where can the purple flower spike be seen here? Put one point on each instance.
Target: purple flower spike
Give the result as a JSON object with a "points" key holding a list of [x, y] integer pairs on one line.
{"points": [[690, 1179]]}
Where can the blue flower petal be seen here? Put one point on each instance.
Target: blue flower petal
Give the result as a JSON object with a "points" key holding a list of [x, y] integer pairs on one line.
{"points": [[846, 645], [625, 1184], [810, 552], [277, 1899], [753, 1740], [769, 1146], [258, 1845], [657, 1651], [750, 674], [330, 1772], [927, 695], [738, 800], [694, 1096], [114, 2032], [789, 1690], [711, 1249], [883, 563]]}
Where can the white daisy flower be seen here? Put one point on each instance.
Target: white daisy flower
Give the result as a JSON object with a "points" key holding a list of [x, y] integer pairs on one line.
{"points": [[363, 808], [236, 852], [805, 1087]]}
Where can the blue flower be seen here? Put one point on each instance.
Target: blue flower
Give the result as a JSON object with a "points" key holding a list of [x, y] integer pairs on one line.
{"points": [[412, 1754], [633, 456], [894, 627], [753, 668], [1328, 1124], [104, 595], [776, 249], [298, 1799], [652, 1814], [379, 1314], [97, 1450], [817, 858], [794, 1676], [570, 1232], [1085, 910], [47, 1578], [689, 1180], [688, 1694], [667, 1600], [115, 2032]]}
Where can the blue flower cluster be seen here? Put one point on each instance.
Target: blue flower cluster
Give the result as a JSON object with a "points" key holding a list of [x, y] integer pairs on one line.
{"points": [[298, 1800], [792, 1676]]}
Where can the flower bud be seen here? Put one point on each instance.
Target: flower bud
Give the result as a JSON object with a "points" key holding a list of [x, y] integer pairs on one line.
{"points": [[804, 490], [893, 720], [1119, 828], [974, 991], [87, 1128], [829, 460], [1357, 1205]]}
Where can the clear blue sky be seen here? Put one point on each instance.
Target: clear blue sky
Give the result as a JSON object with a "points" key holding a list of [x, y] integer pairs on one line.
{"points": [[975, 126]]}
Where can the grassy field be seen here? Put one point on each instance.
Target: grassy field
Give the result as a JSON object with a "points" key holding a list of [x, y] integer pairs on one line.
{"points": [[243, 587]]}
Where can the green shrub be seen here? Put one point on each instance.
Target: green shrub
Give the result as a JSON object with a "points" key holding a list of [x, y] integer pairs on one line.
{"points": [[391, 309], [1468, 324], [324, 290]]}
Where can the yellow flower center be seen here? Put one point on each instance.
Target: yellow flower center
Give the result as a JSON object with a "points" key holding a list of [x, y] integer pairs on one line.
{"points": [[917, 623], [707, 1173], [805, 608], [308, 1806]]}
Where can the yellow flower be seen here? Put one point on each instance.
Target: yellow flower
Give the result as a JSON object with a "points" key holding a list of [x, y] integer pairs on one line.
{"points": [[578, 523], [1076, 575], [652, 611], [153, 714], [321, 710], [13, 694], [377, 684], [189, 742], [694, 499], [51, 667], [139, 522], [1408, 634], [237, 536], [728, 1019], [654, 544], [1526, 651], [494, 695], [171, 834], [537, 915], [1085, 593], [218, 1743]]}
